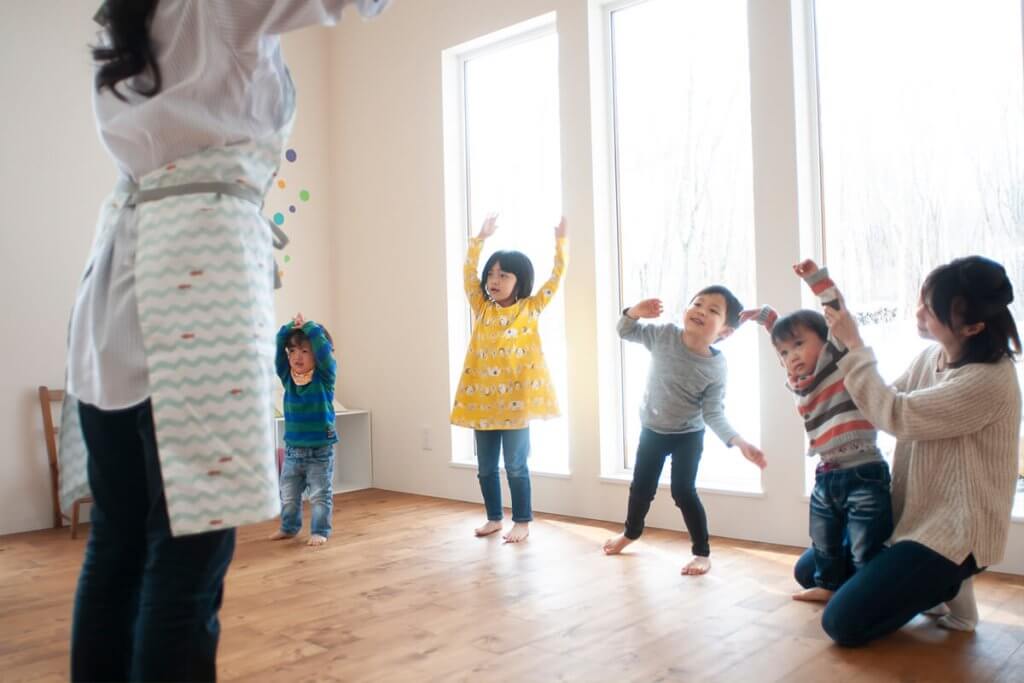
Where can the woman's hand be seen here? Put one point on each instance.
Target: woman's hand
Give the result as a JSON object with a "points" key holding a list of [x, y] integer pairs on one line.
{"points": [[490, 224], [843, 326], [648, 308], [562, 229]]}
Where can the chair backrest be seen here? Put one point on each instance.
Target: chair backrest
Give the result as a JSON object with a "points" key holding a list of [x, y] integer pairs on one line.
{"points": [[47, 397]]}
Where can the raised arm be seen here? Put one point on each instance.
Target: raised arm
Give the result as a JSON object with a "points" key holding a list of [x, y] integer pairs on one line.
{"points": [[281, 357], [765, 316], [631, 330], [470, 280], [542, 298], [243, 22], [323, 352], [970, 399]]}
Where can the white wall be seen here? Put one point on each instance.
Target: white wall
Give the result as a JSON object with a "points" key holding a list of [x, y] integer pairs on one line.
{"points": [[53, 175], [387, 162]]}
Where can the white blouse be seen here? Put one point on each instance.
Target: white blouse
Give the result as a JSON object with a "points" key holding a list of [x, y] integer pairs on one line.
{"points": [[224, 82]]}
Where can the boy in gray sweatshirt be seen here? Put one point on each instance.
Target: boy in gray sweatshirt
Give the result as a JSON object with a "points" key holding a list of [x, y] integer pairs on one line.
{"points": [[685, 392]]}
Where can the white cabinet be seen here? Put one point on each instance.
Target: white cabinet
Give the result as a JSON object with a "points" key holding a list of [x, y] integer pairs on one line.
{"points": [[353, 457]]}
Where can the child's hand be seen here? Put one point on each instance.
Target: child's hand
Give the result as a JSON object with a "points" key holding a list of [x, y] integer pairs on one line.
{"points": [[750, 314], [648, 308], [806, 268], [562, 229], [490, 224], [298, 321], [750, 452]]}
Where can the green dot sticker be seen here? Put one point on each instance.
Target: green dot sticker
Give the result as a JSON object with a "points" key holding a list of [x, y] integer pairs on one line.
{"points": [[279, 218], [304, 195], [287, 258]]}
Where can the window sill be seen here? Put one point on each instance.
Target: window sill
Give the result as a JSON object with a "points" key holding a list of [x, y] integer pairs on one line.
{"points": [[551, 474], [626, 478]]}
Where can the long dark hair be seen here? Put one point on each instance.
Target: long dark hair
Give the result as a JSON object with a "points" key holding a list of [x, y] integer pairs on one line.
{"points": [[976, 290], [130, 49]]}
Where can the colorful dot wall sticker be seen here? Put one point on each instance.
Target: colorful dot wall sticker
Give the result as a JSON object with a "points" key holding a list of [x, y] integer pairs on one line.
{"points": [[279, 218], [291, 156], [304, 195], [287, 258], [291, 208], [281, 183]]}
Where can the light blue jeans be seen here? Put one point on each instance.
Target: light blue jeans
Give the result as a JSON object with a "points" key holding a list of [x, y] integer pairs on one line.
{"points": [[312, 467]]}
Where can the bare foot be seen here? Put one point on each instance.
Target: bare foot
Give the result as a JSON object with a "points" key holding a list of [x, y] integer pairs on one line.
{"points": [[316, 539], [487, 529], [697, 565], [815, 594], [614, 546], [280, 536], [518, 532]]}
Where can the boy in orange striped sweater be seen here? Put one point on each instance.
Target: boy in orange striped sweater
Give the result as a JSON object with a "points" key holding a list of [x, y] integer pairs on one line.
{"points": [[850, 508]]}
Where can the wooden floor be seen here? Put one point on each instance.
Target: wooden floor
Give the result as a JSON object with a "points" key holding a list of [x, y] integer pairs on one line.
{"points": [[403, 592]]}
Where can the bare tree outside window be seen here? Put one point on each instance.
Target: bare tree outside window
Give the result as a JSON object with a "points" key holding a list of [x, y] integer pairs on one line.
{"points": [[681, 88], [921, 105]]}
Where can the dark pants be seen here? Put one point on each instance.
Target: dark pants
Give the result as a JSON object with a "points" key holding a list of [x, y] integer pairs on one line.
{"points": [[850, 519], [146, 605], [685, 450], [898, 584], [515, 444]]}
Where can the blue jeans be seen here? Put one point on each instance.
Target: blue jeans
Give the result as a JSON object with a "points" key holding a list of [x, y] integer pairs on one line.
{"points": [[850, 520], [516, 445], [312, 467], [146, 604], [685, 450], [898, 584]]}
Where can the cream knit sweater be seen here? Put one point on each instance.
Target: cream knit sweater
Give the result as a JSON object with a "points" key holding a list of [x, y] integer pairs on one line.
{"points": [[955, 464]]}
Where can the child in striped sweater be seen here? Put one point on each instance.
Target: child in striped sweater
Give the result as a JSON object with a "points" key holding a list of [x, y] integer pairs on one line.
{"points": [[305, 363], [850, 503]]}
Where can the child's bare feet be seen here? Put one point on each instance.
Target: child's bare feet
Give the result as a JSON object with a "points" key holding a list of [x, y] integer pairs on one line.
{"points": [[487, 529], [518, 532], [815, 594], [316, 539], [614, 546], [280, 536], [697, 565]]}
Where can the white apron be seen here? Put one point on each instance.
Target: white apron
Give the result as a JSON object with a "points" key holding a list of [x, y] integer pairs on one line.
{"points": [[204, 277]]}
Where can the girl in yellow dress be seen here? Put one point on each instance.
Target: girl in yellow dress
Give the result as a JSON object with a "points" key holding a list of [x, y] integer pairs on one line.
{"points": [[505, 381]]}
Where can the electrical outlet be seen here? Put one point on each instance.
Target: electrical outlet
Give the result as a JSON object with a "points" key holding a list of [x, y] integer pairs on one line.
{"points": [[425, 440]]}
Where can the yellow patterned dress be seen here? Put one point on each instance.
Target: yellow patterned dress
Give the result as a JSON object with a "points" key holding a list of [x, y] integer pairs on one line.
{"points": [[505, 381]]}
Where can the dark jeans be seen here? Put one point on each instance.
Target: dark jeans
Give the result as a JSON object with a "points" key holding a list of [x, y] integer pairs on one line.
{"points": [[850, 519], [146, 605], [515, 443], [685, 450], [898, 584]]}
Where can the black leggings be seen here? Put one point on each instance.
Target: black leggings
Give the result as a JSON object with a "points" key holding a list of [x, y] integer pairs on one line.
{"points": [[685, 450]]}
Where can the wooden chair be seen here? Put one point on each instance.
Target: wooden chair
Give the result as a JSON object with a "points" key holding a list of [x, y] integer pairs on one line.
{"points": [[47, 397]]}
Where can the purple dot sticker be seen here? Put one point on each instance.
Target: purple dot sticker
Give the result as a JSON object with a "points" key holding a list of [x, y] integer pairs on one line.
{"points": [[304, 195], [291, 209], [291, 156], [279, 218]]}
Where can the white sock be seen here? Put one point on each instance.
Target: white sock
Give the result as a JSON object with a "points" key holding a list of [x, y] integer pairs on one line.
{"points": [[963, 610]]}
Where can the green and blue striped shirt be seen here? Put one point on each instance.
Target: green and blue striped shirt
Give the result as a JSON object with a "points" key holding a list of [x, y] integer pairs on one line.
{"points": [[308, 409]]}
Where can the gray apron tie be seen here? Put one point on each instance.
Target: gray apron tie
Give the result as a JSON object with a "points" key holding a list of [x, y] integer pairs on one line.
{"points": [[244, 192]]}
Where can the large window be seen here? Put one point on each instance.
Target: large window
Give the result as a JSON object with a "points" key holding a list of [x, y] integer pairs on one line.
{"points": [[921, 104], [513, 166], [681, 91]]}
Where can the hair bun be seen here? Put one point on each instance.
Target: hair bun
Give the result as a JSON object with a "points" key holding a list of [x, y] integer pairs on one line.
{"points": [[986, 279]]}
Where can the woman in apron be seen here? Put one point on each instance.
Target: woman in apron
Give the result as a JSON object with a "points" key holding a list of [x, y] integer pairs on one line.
{"points": [[171, 342]]}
